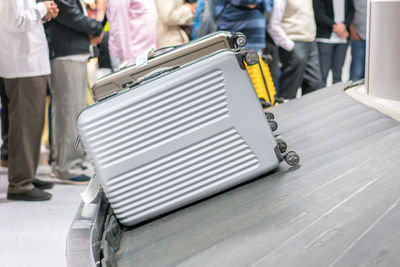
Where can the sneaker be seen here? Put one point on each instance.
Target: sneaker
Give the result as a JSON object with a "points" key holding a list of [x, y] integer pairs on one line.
{"points": [[35, 194], [42, 184], [281, 100], [77, 180]]}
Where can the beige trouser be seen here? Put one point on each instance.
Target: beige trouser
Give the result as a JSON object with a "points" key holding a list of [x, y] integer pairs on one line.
{"points": [[68, 85], [27, 98]]}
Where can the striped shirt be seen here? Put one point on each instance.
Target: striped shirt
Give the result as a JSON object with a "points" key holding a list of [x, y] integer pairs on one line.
{"points": [[236, 16]]}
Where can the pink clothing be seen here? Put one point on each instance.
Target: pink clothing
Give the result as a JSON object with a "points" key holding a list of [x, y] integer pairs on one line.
{"points": [[133, 28]]}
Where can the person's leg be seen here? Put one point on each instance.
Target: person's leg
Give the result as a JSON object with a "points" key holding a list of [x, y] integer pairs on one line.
{"points": [[68, 89], [27, 98], [4, 124], [357, 67], [312, 75], [339, 57], [325, 59], [293, 67], [272, 50], [50, 126]]}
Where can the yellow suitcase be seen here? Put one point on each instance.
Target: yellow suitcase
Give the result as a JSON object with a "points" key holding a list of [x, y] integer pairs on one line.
{"points": [[262, 80]]}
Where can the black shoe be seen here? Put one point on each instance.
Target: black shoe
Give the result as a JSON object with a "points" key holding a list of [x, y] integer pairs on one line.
{"points": [[42, 184], [35, 194]]}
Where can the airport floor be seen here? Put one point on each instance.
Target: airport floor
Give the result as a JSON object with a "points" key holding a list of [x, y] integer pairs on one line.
{"points": [[34, 233]]}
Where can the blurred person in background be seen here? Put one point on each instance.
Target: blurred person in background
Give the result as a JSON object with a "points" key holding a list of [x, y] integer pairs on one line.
{"points": [[24, 65], [333, 18], [204, 22], [69, 37], [133, 29], [101, 57], [246, 16], [291, 25], [4, 125], [97, 9], [273, 51], [358, 35], [172, 14]]}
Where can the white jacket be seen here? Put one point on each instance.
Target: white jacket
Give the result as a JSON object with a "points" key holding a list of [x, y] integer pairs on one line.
{"points": [[171, 15], [292, 21], [23, 46]]}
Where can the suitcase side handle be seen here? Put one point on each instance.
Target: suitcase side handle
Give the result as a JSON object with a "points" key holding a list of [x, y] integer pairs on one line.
{"points": [[154, 74]]}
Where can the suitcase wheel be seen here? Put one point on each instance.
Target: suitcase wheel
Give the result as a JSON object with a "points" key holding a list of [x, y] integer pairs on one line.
{"points": [[251, 58], [273, 124], [281, 145], [264, 103], [269, 115], [241, 40], [292, 158]]}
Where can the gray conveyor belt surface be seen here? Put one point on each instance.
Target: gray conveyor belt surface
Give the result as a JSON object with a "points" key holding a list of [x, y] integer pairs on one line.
{"points": [[340, 207]]}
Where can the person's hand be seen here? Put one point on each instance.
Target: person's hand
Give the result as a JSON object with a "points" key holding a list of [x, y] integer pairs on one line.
{"points": [[344, 35], [353, 34], [192, 7], [47, 18], [52, 10], [95, 40], [339, 28], [52, 14], [251, 6]]}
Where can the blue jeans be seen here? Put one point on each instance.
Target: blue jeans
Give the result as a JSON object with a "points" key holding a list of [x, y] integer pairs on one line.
{"points": [[357, 68]]}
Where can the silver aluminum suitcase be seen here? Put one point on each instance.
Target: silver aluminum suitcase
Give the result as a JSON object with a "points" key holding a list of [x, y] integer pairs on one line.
{"points": [[178, 137]]}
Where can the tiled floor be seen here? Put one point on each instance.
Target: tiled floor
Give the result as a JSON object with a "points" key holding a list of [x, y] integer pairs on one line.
{"points": [[34, 234]]}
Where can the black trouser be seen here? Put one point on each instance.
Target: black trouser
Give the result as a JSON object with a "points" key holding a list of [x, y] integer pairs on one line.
{"points": [[300, 68], [332, 56], [272, 49], [4, 121]]}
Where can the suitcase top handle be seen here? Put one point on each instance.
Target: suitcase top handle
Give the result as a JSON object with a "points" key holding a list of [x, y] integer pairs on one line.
{"points": [[163, 50], [251, 58], [238, 39]]}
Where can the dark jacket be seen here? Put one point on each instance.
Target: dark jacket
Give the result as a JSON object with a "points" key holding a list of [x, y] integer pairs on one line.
{"points": [[68, 34], [324, 17]]}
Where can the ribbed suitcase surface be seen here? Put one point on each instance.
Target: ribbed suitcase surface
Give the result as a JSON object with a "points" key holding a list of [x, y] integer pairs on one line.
{"points": [[178, 138]]}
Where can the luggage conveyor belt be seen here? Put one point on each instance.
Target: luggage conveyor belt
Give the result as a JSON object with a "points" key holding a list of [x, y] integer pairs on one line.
{"points": [[340, 207]]}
